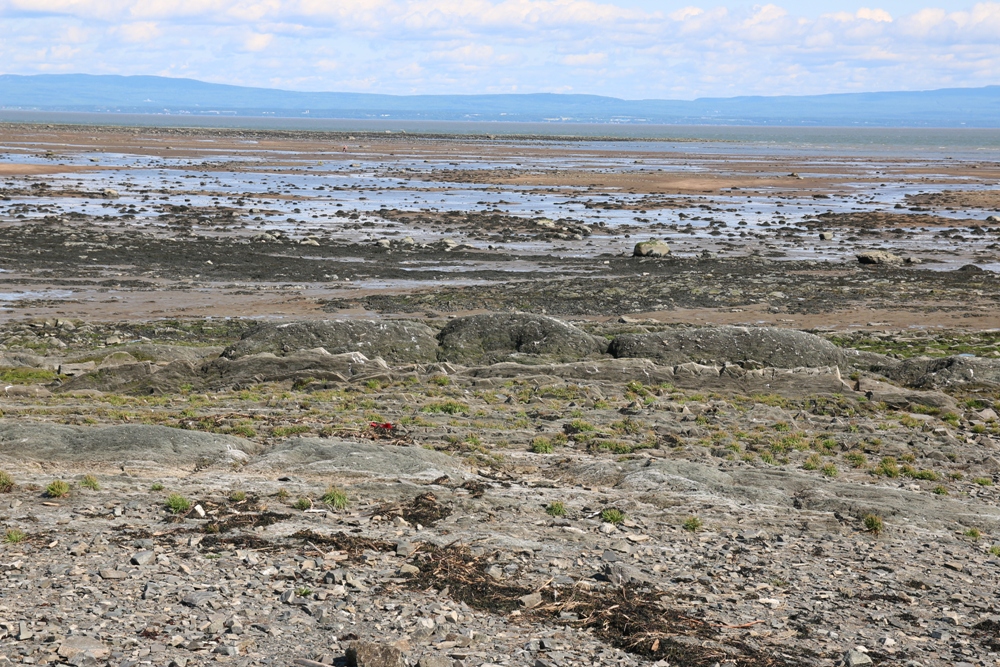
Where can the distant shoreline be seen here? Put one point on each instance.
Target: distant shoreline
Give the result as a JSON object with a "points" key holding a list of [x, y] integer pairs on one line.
{"points": [[343, 129]]}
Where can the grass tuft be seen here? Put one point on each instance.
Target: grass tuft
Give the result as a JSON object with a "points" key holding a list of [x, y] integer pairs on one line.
{"points": [[873, 524], [6, 482], [335, 498], [57, 489], [541, 446], [692, 524], [14, 536], [177, 504], [612, 515], [90, 482], [556, 508]]}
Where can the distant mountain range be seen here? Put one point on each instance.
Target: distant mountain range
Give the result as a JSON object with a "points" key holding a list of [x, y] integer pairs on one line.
{"points": [[953, 107]]}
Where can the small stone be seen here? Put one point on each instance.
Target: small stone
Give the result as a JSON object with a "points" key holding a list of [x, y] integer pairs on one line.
{"points": [[826, 236], [198, 598], [109, 573], [531, 600], [434, 661], [226, 650], [143, 558], [82, 645], [200, 511], [857, 658], [372, 654]]}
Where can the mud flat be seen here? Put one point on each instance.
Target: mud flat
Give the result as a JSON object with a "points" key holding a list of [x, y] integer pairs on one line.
{"points": [[418, 404]]}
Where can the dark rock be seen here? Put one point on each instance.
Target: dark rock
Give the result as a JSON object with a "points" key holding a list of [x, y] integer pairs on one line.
{"points": [[925, 373], [483, 339]]}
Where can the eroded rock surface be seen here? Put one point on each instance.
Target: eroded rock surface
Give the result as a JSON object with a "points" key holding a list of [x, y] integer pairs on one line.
{"points": [[398, 342]]}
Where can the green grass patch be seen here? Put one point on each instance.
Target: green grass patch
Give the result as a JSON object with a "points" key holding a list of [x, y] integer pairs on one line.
{"points": [[541, 445], [27, 375], [446, 407]]}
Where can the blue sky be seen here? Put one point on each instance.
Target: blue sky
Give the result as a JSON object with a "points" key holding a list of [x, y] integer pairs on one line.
{"points": [[625, 48]]}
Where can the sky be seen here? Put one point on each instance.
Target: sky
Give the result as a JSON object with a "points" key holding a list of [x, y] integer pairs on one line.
{"points": [[632, 49]]}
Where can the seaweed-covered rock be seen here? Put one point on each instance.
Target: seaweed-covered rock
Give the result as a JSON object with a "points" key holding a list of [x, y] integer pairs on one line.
{"points": [[485, 339], [754, 346], [396, 342]]}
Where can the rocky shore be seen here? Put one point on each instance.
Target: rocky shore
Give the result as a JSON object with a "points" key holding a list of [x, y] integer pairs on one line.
{"points": [[426, 403], [499, 490]]}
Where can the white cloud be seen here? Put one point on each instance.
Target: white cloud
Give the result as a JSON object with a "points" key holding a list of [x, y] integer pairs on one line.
{"points": [[877, 15], [141, 31], [257, 41], [707, 48], [585, 59]]}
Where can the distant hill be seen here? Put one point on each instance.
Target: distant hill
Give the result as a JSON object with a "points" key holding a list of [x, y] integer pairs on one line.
{"points": [[954, 107]]}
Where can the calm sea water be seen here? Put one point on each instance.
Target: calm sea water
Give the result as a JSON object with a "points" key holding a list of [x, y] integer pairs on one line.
{"points": [[972, 143]]}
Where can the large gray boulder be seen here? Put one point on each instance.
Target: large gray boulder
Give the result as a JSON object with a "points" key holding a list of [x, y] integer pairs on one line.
{"points": [[396, 342], [265, 367], [486, 339], [60, 443], [927, 373], [222, 373], [766, 346]]}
